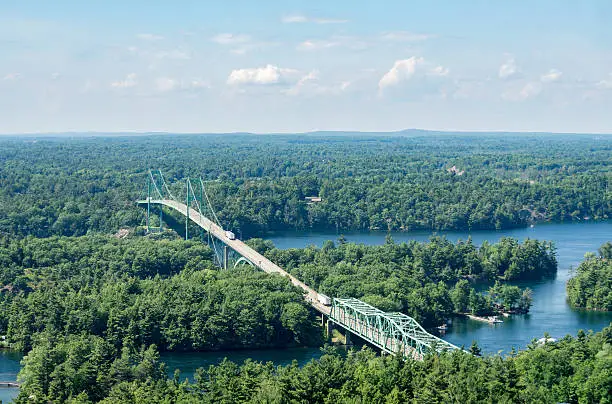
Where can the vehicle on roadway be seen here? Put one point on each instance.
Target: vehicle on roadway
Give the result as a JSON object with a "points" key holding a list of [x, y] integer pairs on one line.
{"points": [[230, 235], [323, 299]]}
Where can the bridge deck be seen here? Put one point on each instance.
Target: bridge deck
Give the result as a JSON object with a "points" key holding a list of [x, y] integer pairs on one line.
{"points": [[241, 248]]}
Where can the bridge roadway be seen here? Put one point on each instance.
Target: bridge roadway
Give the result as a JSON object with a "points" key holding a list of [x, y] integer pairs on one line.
{"points": [[241, 248]]}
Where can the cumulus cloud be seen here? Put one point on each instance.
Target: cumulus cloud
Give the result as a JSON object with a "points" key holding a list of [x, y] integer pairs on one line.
{"points": [[401, 70], [310, 85], [230, 39], [149, 37], [551, 76], [129, 81], [509, 69], [606, 83], [300, 18], [404, 36], [269, 74], [414, 74], [414, 77]]}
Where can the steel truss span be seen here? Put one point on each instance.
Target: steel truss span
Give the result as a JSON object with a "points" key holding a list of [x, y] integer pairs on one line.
{"points": [[391, 332]]}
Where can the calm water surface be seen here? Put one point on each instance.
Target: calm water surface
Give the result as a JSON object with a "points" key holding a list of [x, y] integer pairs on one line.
{"points": [[9, 367], [549, 312]]}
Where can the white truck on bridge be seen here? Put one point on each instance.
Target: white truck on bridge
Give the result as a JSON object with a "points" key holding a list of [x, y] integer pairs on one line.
{"points": [[230, 235], [323, 299]]}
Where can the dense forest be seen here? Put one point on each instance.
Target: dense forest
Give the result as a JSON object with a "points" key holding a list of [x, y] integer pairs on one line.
{"points": [[75, 185], [591, 288], [84, 369], [98, 308], [427, 281], [137, 292], [141, 291], [93, 311]]}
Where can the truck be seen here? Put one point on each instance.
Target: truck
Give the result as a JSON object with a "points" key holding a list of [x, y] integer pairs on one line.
{"points": [[230, 235], [324, 300]]}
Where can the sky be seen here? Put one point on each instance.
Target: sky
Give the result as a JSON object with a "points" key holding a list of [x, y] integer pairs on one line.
{"points": [[296, 66]]}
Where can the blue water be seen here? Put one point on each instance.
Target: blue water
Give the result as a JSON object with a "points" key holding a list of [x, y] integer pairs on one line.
{"points": [[189, 362], [9, 367], [549, 312]]}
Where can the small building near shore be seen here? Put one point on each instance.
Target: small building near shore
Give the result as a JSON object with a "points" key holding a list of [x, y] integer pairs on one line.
{"points": [[312, 199]]}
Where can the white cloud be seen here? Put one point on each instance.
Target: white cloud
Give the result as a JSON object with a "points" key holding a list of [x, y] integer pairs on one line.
{"points": [[310, 85], [605, 83], [551, 76], [439, 71], [12, 76], [344, 41], [508, 69], [300, 18], [149, 37], [269, 74], [401, 70], [415, 78], [309, 45], [129, 81], [290, 19], [329, 21], [230, 39], [405, 36], [303, 82], [165, 84], [529, 90]]}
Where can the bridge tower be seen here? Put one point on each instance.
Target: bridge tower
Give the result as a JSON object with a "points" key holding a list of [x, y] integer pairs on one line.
{"points": [[155, 190]]}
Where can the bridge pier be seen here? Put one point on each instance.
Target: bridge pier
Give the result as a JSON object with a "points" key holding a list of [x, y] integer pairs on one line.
{"points": [[329, 326]]}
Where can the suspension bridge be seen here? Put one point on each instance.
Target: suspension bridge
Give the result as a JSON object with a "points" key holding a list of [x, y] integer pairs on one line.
{"points": [[393, 333]]}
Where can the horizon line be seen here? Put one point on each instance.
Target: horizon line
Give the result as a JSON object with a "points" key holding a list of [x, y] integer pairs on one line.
{"points": [[312, 132]]}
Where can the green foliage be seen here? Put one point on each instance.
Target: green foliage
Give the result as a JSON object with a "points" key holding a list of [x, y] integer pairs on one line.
{"points": [[511, 298], [416, 278], [74, 186], [137, 292], [591, 288], [572, 370]]}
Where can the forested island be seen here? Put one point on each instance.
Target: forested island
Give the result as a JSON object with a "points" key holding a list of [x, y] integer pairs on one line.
{"points": [[591, 288], [74, 185], [428, 281]]}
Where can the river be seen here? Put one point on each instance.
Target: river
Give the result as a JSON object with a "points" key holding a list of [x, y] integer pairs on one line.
{"points": [[549, 312]]}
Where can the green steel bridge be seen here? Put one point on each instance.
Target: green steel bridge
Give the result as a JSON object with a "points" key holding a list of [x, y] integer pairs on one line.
{"points": [[393, 333]]}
